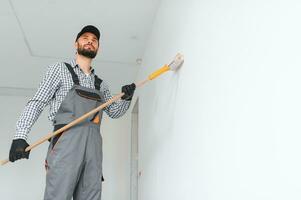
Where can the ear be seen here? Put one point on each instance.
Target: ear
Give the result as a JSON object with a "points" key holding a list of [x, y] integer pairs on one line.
{"points": [[76, 45]]}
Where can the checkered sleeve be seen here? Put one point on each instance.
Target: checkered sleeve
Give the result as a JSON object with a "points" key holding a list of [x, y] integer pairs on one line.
{"points": [[117, 108], [37, 103]]}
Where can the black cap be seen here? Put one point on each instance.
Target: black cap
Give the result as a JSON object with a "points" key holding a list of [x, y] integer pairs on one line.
{"points": [[89, 29]]}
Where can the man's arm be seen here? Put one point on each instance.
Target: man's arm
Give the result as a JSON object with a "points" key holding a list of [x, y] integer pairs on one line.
{"points": [[117, 108], [37, 103]]}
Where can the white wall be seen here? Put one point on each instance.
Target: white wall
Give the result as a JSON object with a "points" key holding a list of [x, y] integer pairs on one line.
{"points": [[25, 179], [227, 124]]}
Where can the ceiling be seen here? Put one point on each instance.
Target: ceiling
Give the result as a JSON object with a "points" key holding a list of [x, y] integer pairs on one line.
{"points": [[37, 33]]}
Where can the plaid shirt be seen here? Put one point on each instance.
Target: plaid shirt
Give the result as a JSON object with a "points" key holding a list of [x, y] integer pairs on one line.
{"points": [[52, 91]]}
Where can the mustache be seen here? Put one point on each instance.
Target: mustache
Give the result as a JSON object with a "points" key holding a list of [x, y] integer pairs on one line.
{"points": [[89, 45]]}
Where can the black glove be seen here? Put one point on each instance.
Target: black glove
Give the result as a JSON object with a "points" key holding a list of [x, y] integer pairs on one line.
{"points": [[17, 150], [128, 91]]}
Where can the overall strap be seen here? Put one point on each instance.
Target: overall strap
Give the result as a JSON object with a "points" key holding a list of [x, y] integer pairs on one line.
{"points": [[97, 82], [73, 74]]}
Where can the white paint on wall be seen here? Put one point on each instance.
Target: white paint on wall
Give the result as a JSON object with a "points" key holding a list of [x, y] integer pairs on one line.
{"points": [[226, 125]]}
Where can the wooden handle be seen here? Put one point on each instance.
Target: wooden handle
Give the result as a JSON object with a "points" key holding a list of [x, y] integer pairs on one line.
{"points": [[141, 83]]}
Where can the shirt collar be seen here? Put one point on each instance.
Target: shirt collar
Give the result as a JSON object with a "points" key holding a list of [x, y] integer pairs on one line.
{"points": [[74, 65]]}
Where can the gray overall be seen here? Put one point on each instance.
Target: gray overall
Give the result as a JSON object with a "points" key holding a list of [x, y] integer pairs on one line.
{"points": [[74, 158]]}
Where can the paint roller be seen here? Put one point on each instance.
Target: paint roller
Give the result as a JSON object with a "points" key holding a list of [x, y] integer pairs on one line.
{"points": [[173, 66]]}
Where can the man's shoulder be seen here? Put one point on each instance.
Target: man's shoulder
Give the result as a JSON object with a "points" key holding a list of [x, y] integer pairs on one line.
{"points": [[55, 65]]}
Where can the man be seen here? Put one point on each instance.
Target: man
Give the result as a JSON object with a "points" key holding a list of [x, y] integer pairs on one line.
{"points": [[74, 158]]}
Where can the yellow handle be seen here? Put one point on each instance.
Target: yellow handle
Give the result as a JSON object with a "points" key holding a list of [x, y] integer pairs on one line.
{"points": [[159, 72]]}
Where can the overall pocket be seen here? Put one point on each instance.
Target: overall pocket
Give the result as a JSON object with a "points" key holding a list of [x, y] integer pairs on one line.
{"points": [[84, 102]]}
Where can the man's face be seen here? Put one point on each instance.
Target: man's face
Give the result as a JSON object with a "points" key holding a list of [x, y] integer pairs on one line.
{"points": [[87, 45]]}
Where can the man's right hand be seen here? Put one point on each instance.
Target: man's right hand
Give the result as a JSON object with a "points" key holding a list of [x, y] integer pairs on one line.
{"points": [[17, 150]]}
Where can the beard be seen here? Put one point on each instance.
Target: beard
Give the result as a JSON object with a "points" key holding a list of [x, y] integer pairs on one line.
{"points": [[87, 53]]}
